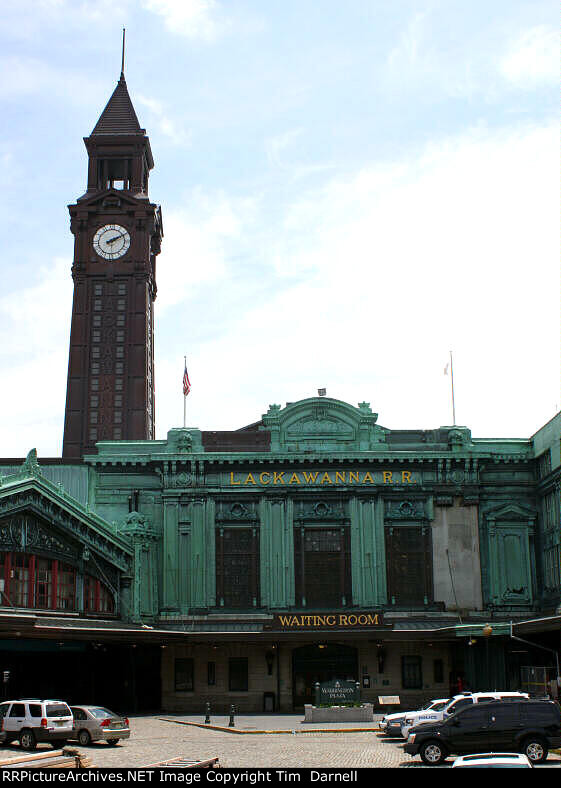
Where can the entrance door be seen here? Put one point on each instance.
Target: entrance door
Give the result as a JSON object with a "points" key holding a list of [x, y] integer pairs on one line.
{"points": [[320, 662]]}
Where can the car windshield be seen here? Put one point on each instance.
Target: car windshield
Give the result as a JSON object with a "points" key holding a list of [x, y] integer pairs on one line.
{"points": [[58, 710], [439, 706], [101, 712]]}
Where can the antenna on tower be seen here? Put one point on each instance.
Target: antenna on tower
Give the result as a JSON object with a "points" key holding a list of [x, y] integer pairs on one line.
{"points": [[123, 57]]}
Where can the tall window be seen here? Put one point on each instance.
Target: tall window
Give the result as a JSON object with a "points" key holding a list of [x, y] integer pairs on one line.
{"points": [[237, 567], [184, 675], [323, 567], [238, 674], [412, 672], [409, 565]]}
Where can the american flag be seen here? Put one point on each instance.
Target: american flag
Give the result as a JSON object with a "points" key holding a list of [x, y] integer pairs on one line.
{"points": [[186, 383]]}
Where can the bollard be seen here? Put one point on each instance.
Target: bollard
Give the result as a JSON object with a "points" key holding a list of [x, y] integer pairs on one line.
{"points": [[207, 718], [231, 723]]}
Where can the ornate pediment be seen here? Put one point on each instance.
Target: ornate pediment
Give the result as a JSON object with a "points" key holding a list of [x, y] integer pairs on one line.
{"points": [[320, 424]]}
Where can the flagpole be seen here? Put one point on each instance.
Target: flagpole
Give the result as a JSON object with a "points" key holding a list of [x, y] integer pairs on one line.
{"points": [[184, 397], [452, 379]]}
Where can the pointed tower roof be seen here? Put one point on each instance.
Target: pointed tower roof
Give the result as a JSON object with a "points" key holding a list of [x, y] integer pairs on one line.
{"points": [[119, 116]]}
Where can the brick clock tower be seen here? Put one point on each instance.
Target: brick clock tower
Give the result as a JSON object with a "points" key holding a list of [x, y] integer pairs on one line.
{"points": [[117, 235]]}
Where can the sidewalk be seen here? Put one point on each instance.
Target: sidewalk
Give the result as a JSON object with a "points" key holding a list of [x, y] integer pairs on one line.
{"points": [[278, 723]]}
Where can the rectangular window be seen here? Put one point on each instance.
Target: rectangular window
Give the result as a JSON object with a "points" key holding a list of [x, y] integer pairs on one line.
{"points": [[44, 583], [322, 567], [120, 320], [95, 384], [121, 289], [184, 675], [121, 304], [438, 671], [96, 336], [97, 321], [119, 351], [412, 672], [66, 588], [237, 674], [98, 290], [211, 674], [409, 565], [237, 567]]}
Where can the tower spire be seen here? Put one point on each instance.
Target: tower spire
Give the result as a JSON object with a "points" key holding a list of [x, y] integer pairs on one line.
{"points": [[123, 57]]}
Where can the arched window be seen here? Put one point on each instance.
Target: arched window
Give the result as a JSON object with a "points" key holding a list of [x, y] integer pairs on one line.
{"points": [[31, 581]]}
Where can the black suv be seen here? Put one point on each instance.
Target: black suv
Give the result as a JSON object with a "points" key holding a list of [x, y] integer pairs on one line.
{"points": [[529, 726]]}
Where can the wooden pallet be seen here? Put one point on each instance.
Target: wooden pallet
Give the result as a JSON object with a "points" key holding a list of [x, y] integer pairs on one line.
{"points": [[186, 763], [67, 758]]}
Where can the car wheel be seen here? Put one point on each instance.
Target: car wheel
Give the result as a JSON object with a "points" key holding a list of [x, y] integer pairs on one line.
{"points": [[535, 749], [27, 740], [112, 742], [432, 753], [84, 738]]}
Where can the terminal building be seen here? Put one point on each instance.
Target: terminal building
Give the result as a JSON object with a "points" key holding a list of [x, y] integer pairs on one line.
{"points": [[240, 567]]}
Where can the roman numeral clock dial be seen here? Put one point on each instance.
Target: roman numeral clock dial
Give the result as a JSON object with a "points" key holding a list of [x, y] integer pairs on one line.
{"points": [[111, 241]]}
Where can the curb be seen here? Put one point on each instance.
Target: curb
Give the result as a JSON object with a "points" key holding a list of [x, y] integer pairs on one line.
{"points": [[250, 733]]}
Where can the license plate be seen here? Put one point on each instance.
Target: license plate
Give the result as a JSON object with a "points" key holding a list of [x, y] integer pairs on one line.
{"points": [[117, 725]]}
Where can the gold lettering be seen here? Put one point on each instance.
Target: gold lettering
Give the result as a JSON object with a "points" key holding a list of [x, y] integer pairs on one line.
{"points": [[352, 621], [250, 479], [330, 621], [372, 619], [340, 477], [294, 621], [368, 478], [324, 477], [321, 621], [294, 477], [362, 620], [388, 477], [343, 620], [277, 477], [406, 477], [232, 479], [262, 477], [353, 477], [285, 621], [310, 477]]}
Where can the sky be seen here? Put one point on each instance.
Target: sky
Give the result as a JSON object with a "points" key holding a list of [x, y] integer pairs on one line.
{"points": [[349, 191]]}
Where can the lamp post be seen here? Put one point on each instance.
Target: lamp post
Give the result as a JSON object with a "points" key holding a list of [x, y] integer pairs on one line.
{"points": [[487, 631]]}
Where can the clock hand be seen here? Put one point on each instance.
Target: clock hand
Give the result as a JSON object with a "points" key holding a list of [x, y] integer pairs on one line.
{"points": [[112, 240]]}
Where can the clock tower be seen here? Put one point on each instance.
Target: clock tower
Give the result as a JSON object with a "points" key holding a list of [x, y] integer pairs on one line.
{"points": [[117, 235]]}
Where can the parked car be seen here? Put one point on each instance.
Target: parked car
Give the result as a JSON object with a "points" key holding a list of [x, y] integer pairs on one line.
{"points": [[96, 723], [30, 721], [492, 760], [531, 727], [391, 724], [455, 704]]}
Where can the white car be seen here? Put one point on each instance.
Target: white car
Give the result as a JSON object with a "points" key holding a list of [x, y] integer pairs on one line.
{"points": [[30, 721], [493, 760], [455, 704], [391, 724]]}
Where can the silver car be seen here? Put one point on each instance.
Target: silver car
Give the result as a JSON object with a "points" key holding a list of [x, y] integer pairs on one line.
{"points": [[96, 723]]}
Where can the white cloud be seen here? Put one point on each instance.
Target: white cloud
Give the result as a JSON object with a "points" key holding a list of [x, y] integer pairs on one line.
{"points": [[190, 18], [34, 340], [166, 124], [456, 247], [532, 59]]}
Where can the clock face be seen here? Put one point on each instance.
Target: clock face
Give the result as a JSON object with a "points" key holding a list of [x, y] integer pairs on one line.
{"points": [[111, 241]]}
